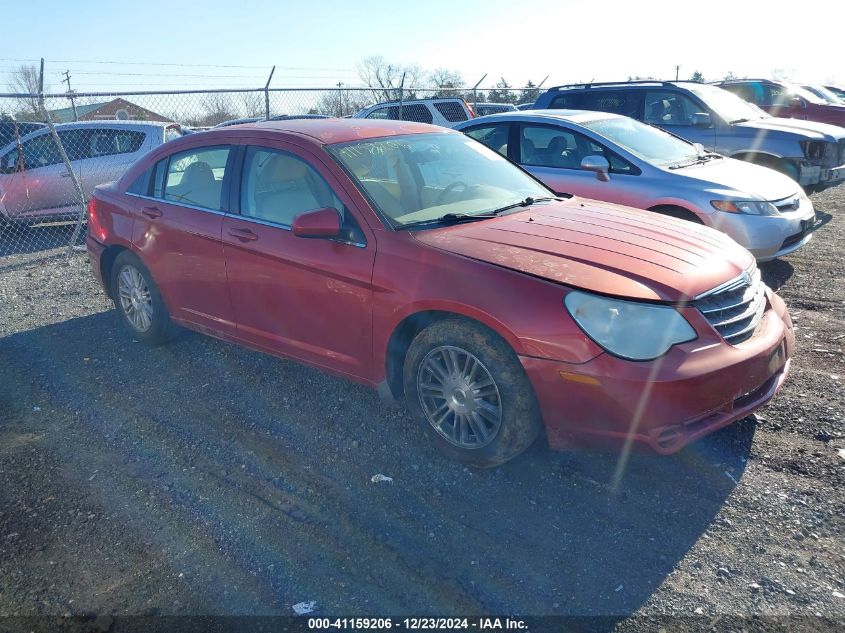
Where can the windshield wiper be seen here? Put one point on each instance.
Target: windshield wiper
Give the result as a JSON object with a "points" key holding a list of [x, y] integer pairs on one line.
{"points": [[457, 218], [738, 121], [527, 202]]}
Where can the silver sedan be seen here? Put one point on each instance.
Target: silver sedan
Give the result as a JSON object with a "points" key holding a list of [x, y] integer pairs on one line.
{"points": [[618, 159]]}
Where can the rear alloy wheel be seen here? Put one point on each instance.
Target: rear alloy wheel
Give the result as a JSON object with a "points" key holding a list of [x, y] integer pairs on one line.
{"points": [[468, 390], [139, 301]]}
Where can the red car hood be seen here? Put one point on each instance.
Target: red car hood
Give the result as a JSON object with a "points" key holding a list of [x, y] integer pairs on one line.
{"points": [[601, 247]]}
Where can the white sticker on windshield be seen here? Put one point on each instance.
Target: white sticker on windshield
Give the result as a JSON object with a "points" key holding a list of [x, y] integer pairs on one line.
{"points": [[485, 151]]}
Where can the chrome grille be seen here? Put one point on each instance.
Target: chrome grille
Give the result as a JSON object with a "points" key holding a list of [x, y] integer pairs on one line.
{"points": [[736, 307]]}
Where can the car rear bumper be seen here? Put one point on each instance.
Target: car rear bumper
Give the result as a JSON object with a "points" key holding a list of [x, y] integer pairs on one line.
{"points": [[665, 404], [95, 255]]}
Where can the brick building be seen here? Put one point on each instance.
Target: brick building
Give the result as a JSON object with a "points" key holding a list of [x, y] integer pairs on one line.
{"points": [[116, 109]]}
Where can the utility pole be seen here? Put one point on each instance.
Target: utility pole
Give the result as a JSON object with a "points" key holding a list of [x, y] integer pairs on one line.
{"points": [[677, 70], [339, 99], [70, 94]]}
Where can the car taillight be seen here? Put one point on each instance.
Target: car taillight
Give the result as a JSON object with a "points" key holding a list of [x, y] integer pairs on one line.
{"points": [[95, 228]]}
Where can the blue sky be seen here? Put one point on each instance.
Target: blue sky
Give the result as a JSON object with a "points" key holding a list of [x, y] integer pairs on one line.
{"points": [[232, 44]]}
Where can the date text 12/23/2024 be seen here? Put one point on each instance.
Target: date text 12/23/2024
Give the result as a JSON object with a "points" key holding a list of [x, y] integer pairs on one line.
{"points": [[417, 624]]}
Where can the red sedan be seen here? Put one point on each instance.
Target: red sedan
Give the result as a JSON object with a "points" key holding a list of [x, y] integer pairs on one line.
{"points": [[417, 261]]}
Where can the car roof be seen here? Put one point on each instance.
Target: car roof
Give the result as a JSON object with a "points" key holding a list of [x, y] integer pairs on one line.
{"points": [[112, 124], [330, 131], [579, 117]]}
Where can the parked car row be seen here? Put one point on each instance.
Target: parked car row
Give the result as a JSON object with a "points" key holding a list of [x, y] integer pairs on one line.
{"points": [[618, 159], [417, 261], [34, 179]]}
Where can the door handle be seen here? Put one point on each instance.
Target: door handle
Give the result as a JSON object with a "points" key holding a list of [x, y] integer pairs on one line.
{"points": [[151, 212], [244, 235]]}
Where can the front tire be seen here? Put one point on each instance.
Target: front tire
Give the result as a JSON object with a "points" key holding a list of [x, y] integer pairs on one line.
{"points": [[138, 301], [467, 388]]}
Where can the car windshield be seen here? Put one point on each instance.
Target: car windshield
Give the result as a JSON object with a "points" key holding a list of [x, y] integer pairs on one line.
{"points": [[422, 178], [649, 143], [825, 94], [727, 105], [798, 91]]}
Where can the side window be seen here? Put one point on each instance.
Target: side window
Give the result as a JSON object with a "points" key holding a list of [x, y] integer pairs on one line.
{"points": [[452, 111], [624, 102], [566, 101], [40, 151], [776, 95], [278, 186], [159, 174], [665, 107], [108, 142], [140, 185], [410, 112], [493, 136], [195, 177], [379, 113], [415, 112], [547, 146]]}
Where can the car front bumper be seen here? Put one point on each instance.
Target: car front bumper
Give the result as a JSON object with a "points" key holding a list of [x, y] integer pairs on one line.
{"points": [[768, 236], [665, 404]]}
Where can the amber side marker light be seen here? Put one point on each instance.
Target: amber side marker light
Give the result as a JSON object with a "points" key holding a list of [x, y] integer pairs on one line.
{"points": [[584, 380]]}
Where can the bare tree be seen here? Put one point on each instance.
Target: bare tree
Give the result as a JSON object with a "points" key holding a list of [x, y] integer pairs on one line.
{"points": [[253, 104], [447, 82], [217, 108], [24, 80], [341, 102], [384, 78]]}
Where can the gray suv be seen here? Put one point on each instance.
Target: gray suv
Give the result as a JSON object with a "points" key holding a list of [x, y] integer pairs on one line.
{"points": [[811, 153]]}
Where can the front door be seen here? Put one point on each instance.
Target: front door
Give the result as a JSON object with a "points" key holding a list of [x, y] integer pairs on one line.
{"points": [[673, 112]]}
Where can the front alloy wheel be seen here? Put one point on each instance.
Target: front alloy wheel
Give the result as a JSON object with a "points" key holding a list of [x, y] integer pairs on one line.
{"points": [[468, 390], [459, 397]]}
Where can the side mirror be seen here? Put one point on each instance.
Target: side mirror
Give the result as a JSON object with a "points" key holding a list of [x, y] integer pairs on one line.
{"points": [[597, 164], [701, 119], [324, 223], [797, 102]]}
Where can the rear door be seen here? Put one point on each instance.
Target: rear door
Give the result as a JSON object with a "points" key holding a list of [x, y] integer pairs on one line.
{"points": [[307, 298], [673, 111], [177, 233]]}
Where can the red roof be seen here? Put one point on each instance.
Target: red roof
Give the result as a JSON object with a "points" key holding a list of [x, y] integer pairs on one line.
{"points": [[330, 131]]}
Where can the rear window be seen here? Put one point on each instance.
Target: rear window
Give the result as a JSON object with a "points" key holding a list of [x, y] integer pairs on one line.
{"points": [[452, 111], [409, 112]]}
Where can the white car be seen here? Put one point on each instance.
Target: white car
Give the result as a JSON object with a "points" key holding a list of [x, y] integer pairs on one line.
{"points": [[35, 183], [442, 112]]}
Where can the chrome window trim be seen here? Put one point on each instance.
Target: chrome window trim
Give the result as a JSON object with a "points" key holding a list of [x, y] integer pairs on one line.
{"points": [[275, 225], [177, 204]]}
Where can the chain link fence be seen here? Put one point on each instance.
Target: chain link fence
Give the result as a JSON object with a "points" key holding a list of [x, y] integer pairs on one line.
{"points": [[54, 148]]}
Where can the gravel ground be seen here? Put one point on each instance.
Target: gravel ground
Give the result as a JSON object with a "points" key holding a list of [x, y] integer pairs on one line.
{"points": [[202, 478]]}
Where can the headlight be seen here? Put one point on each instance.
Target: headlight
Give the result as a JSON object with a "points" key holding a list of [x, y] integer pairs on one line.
{"points": [[636, 331], [750, 207]]}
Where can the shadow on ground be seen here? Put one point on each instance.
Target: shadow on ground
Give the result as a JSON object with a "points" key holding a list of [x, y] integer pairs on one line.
{"points": [[23, 239], [246, 481]]}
